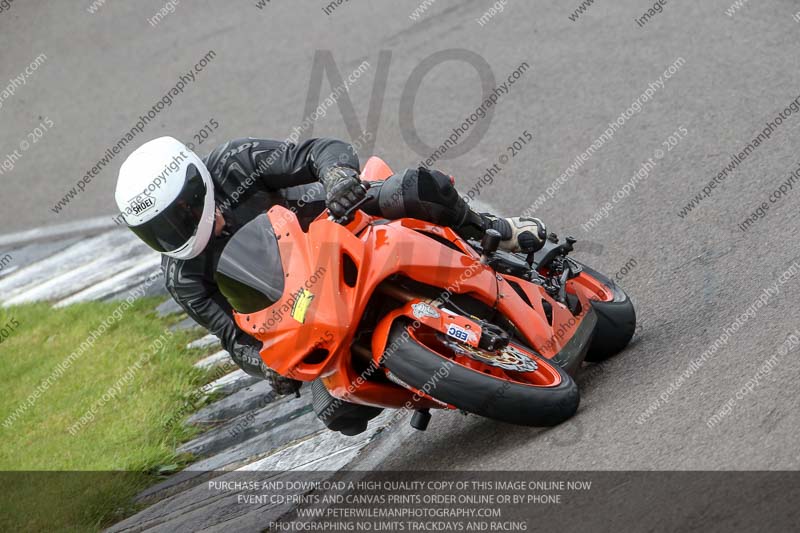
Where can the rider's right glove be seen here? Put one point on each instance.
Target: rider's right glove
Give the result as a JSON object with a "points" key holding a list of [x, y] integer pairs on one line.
{"points": [[343, 189]]}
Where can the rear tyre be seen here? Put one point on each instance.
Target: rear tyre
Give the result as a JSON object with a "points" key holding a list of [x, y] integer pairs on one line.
{"points": [[338, 415], [476, 391], [616, 321]]}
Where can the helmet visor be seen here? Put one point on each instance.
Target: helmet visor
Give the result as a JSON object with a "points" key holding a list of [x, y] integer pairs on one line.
{"points": [[173, 227]]}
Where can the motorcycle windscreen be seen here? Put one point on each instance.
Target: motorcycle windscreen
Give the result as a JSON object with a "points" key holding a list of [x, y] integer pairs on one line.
{"points": [[249, 271]]}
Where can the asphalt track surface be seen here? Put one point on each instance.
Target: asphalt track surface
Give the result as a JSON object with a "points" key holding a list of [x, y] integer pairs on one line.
{"points": [[693, 276]]}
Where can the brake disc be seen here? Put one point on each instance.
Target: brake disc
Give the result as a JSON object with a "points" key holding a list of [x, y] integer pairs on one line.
{"points": [[507, 358]]}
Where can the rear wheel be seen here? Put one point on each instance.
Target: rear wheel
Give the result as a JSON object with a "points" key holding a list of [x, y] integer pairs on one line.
{"points": [[513, 385]]}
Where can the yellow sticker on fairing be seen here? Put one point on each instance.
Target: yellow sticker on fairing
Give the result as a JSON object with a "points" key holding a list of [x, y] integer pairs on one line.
{"points": [[301, 303]]}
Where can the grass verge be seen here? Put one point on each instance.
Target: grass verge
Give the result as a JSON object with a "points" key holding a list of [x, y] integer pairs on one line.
{"points": [[81, 434]]}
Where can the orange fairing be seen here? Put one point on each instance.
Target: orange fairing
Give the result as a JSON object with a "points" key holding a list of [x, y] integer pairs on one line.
{"points": [[321, 304], [332, 271], [375, 170]]}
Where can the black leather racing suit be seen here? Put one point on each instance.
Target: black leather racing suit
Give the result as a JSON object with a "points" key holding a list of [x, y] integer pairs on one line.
{"points": [[251, 175]]}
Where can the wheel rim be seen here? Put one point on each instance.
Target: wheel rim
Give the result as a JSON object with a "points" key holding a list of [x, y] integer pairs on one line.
{"points": [[533, 370]]}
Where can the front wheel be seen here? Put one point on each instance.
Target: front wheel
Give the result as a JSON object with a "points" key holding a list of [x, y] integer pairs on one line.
{"points": [[513, 385]]}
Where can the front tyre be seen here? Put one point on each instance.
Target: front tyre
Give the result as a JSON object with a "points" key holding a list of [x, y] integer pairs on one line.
{"points": [[423, 359]]}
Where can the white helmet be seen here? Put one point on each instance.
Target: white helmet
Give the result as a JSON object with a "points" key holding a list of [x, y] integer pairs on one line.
{"points": [[166, 196]]}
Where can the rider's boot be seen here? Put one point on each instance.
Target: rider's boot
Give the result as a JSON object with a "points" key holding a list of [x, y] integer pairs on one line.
{"points": [[519, 234]]}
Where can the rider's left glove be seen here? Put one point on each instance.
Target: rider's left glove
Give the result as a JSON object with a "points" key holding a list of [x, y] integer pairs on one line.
{"points": [[249, 360], [343, 189]]}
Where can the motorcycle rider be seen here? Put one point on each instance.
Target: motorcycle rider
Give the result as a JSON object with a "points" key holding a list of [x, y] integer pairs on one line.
{"points": [[187, 208]]}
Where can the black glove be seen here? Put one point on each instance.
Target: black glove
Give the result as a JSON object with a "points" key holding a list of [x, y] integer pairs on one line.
{"points": [[344, 189], [283, 386], [249, 359]]}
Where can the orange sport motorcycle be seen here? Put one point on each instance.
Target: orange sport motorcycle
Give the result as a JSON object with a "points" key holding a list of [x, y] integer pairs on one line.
{"points": [[407, 314]]}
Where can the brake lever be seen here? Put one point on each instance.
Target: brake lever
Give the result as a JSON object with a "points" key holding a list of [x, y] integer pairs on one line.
{"points": [[561, 250]]}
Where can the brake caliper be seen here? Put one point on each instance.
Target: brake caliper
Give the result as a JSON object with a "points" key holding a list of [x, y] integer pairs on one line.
{"points": [[492, 337]]}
